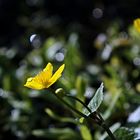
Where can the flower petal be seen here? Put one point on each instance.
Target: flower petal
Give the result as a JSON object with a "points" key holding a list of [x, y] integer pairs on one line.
{"points": [[34, 84], [56, 75], [49, 67], [44, 79], [137, 24], [49, 70]]}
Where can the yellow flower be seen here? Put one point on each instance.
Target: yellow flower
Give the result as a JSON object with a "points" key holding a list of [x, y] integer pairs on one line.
{"points": [[137, 24], [45, 78]]}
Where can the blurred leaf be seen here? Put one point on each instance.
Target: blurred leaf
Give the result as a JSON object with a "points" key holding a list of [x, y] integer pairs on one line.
{"points": [[80, 87], [86, 135], [60, 118], [124, 133], [112, 104], [49, 42], [72, 59], [6, 82], [95, 101], [59, 133]]}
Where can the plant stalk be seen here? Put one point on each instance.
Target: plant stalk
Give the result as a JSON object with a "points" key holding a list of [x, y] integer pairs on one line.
{"points": [[108, 131], [75, 98], [106, 128], [72, 108], [95, 116]]}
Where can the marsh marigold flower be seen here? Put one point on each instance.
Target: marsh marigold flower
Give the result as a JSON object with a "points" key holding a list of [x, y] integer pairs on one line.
{"points": [[45, 78], [137, 24]]}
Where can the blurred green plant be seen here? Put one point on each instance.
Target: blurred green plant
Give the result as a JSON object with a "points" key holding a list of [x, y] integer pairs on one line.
{"points": [[116, 62]]}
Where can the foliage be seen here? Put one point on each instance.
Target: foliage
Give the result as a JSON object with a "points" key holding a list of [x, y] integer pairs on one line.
{"points": [[29, 114], [95, 101]]}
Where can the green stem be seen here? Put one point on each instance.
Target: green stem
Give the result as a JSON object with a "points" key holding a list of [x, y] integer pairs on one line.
{"points": [[96, 117], [108, 131], [78, 112], [105, 127], [69, 96]]}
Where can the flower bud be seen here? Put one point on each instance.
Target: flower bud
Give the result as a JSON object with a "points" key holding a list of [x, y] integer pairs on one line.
{"points": [[60, 92]]}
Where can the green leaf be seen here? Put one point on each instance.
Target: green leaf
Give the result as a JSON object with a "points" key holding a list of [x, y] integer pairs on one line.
{"points": [[95, 101], [124, 133]]}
